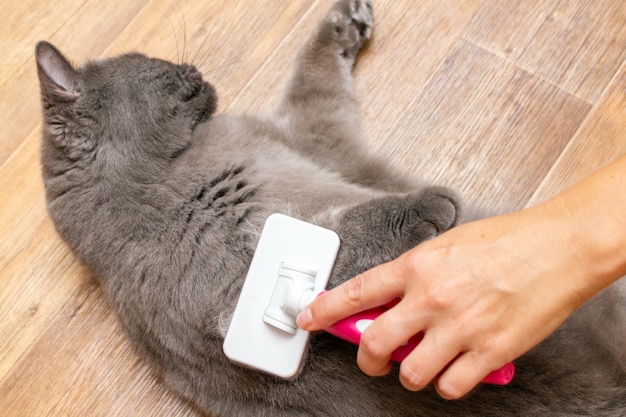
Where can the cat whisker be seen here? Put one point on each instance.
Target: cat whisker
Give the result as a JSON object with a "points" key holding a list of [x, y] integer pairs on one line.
{"points": [[233, 10], [251, 229], [182, 16], [193, 60], [175, 39], [179, 56], [221, 66]]}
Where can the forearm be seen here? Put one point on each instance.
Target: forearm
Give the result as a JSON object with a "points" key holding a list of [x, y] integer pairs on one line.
{"points": [[592, 217]]}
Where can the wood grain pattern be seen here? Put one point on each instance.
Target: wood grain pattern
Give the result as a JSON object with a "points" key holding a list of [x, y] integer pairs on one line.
{"points": [[600, 140], [70, 23], [558, 41], [509, 102], [478, 124], [120, 383]]}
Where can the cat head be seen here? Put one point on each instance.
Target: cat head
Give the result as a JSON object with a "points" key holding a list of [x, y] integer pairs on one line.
{"points": [[131, 105]]}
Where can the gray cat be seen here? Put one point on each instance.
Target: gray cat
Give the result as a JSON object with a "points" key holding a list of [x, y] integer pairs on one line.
{"points": [[165, 200]]}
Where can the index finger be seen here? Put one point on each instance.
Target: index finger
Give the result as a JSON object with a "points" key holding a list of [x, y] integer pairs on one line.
{"points": [[372, 288]]}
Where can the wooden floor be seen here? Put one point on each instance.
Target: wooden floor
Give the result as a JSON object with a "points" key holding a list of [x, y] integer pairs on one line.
{"points": [[507, 101]]}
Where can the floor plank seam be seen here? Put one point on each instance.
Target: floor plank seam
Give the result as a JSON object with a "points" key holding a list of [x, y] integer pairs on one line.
{"points": [[601, 98], [535, 75]]}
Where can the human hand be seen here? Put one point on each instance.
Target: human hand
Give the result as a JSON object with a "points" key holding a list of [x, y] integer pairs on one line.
{"points": [[482, 293]]}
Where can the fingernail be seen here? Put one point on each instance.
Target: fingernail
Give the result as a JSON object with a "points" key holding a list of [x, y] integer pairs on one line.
{"points": [[305, 319], [447, 391]]}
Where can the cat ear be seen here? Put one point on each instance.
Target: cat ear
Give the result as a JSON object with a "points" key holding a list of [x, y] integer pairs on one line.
{"points": [[57, 77]]}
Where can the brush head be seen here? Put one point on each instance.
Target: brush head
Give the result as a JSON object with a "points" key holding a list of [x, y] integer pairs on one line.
{"points": [[292, 263]]}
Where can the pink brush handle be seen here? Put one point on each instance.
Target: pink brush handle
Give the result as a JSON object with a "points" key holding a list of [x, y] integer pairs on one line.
{"points": [[350, 329]]}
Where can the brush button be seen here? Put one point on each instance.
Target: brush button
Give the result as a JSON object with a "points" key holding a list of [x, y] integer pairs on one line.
{"points": [[363, 324]]}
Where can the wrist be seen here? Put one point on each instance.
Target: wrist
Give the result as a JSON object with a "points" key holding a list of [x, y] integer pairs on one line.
{"points": [[592, 236]]}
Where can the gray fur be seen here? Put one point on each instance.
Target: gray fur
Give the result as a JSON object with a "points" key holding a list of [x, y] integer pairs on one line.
{"points": [[165, 200]]}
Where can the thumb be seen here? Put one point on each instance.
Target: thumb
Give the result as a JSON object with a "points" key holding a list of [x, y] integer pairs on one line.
{"points": [[372, 288]]}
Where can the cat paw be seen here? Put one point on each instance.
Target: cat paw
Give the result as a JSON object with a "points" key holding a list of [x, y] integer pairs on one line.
{"points": [[362, 14], [351, 23], [441, 207]]}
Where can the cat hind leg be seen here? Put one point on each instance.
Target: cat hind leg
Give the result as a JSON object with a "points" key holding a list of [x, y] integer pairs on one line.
{"points": [[321, 87]]}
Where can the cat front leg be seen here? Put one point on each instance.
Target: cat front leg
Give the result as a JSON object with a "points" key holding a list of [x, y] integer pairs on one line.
{"points": [[382, 229]]}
